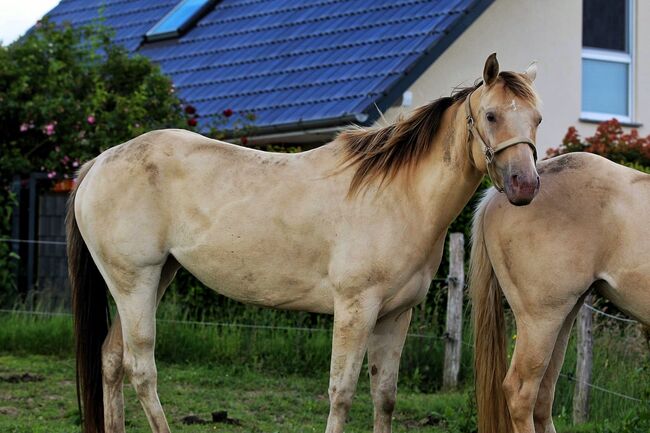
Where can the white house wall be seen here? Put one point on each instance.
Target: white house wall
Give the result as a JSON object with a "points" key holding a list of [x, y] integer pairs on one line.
{"points": [[520, 31]]}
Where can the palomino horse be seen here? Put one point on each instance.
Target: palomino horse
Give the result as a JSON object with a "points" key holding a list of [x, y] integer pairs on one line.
{"points": [[354, 228], [588, 228]]}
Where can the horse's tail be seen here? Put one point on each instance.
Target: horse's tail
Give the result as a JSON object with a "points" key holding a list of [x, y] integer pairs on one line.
{"points": [[91, 318], [490, 363]]}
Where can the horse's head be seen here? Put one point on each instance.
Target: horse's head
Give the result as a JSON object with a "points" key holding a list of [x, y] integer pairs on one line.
{"points": [[502, 119]]}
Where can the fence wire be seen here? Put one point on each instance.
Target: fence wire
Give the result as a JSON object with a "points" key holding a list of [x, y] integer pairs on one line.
{"points": [[611, 316], [307, 329], [31, 241]]}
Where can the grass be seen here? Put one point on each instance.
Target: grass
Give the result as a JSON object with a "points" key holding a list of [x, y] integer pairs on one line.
{"points": [[263, 402], [276, 380]]}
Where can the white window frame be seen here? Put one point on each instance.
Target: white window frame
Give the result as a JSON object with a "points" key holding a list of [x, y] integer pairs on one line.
{"points": [[615, 57]]}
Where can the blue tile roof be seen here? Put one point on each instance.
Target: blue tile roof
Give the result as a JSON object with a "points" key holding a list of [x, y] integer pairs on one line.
{"points": [[293, 63]]}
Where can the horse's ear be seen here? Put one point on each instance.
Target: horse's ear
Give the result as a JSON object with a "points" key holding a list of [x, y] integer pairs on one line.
{"points": [[491, 69], [531, 71]]}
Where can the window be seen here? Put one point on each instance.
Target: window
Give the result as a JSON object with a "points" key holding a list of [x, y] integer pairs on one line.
{"points": [[607, 61], [180, 19]]}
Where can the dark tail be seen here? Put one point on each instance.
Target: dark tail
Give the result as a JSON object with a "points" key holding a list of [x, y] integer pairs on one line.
{"points": [[91, 319], [490, 362]]}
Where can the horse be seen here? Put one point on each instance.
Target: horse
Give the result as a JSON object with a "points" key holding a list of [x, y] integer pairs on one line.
{"points": [[586, 230], [354, 228]]}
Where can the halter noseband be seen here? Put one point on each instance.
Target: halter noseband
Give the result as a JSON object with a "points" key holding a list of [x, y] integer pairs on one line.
{"points": [[489, 151]]}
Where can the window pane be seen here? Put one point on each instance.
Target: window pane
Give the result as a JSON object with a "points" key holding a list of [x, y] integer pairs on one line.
{"points": [[605, 87], [604, 24], [173, 21]]}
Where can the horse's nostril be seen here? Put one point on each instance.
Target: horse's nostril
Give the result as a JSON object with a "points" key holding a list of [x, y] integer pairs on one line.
{"points": [[515, 180]]}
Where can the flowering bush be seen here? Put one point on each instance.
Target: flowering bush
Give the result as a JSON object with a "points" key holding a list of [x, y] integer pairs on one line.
{"points": [[611, 142], [67, 94]]}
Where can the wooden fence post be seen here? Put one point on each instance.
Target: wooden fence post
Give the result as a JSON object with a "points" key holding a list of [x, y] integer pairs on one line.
{"points": [[454, 332], [584, 363]]}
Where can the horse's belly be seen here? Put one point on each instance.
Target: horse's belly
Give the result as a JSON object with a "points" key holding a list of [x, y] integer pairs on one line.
{"points": [[268, 284]]}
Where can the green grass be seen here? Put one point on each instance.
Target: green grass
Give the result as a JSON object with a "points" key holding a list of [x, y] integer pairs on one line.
{"points": [[276, 380], [263, 402]]}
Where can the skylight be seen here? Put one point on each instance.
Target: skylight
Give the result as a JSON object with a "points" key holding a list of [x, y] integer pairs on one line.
{"points": [[180, 19]]}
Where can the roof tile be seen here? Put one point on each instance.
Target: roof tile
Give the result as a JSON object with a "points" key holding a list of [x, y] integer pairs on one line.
{"points": [[289, 62]]}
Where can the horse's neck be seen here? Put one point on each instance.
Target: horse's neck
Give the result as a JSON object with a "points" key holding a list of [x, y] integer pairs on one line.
{"points": [[446, 180]]}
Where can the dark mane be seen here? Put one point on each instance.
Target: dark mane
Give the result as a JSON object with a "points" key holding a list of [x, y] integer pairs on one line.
{"points": [[381, 153]]}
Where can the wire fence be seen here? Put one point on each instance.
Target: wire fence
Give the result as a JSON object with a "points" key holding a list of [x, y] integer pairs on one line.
{"points": [[31, 241], [611, 316], [310, 329], [318, 329]]}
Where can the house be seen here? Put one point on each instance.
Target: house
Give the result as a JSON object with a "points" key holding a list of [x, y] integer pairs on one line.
{"points": [[308, 68]]}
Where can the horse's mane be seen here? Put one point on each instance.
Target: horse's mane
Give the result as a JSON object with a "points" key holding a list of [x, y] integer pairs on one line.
{"points": [[380, 153]]}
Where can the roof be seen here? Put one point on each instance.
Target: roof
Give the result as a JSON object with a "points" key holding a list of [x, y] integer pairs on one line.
{"points": [[295, 64]]}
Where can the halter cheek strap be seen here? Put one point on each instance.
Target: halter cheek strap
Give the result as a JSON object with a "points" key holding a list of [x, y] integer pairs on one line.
{"points": [[488, 151]]}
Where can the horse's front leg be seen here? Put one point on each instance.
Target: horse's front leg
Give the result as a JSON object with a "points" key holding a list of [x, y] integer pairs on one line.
{"points": [[384, 353], [354, 319]]}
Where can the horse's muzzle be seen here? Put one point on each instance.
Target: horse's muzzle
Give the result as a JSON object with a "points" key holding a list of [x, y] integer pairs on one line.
{"points": [[521, 188]]}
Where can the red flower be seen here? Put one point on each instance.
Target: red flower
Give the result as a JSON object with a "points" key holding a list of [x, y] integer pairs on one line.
{"points": [[227, 112], [244, 140], [191, 122], [189, 109]]}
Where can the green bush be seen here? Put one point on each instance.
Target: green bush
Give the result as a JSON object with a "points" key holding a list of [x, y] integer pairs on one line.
{"points": [[67, 94], [611, 142]]}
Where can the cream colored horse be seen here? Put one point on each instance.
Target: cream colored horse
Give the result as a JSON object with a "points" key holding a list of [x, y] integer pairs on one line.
{"points": [[354, 228], [589, 227]]}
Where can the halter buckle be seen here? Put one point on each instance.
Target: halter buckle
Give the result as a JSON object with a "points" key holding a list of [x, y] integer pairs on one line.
{"points": [[489, 154]]}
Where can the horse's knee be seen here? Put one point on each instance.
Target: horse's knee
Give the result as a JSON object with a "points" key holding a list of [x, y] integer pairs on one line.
{"points": [[340, 399], [384, 399], [112, 366], [520, 400], [113, 358]]}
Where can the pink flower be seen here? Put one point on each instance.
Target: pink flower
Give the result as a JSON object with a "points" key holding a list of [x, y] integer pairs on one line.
{"points": [[75, 163], [49, 128], [24, 127], [91, 119], [51, 175]]}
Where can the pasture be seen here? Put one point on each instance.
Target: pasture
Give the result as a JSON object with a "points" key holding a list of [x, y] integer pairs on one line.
{"points": [[275, 379]]}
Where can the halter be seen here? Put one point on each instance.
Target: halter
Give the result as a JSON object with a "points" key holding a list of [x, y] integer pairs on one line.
{"points": [[488, 151]]}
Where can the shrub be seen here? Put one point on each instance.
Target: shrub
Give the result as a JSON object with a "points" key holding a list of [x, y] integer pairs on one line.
{"points": [[611, 142]]}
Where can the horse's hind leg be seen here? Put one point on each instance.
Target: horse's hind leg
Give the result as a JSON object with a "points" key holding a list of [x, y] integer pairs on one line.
{"points": [[542, 415], [113, 360], [384, 353]]}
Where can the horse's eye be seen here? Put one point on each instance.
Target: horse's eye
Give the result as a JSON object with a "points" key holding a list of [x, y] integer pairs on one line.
{"points": [[491, 117], [539, 121]]}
